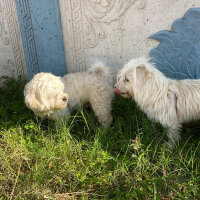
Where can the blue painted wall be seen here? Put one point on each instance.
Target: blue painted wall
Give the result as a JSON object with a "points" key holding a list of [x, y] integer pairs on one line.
{"points": [[41, 31]]}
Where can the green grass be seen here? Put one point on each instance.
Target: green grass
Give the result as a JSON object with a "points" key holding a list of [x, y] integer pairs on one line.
{"points": [[80, 161]]}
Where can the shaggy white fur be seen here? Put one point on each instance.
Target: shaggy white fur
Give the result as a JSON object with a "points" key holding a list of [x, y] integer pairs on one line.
{"points": [[55, 97], [171, 102]]}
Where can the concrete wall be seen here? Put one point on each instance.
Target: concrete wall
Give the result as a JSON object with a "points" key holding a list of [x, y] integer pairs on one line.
{"points": [[115, 30], [12, 62]]}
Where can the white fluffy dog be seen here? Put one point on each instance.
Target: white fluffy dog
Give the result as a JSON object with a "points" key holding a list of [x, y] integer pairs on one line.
{"points": [[55, 97], [171, 102]]}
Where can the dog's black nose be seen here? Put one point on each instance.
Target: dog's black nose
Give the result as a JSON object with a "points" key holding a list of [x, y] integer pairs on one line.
{"points": [[65, 99]]}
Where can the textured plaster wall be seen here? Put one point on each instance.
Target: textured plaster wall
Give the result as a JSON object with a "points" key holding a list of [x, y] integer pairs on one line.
{"points": [[12, 62], [115, 30]]}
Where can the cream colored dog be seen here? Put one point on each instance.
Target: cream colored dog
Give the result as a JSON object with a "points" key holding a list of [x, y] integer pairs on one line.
{"points": [[55, 97], [171, 102]]}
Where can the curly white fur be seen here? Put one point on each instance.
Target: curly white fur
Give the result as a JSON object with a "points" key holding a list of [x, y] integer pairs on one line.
{"points": [[171, 102], [55, 97]]}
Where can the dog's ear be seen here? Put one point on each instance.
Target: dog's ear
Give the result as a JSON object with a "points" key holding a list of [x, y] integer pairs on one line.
{"points": [[35, 99], [142, 75], [32, 102], [143, 71]]}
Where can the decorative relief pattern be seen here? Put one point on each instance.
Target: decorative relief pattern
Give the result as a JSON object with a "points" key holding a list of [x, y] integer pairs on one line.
{"points": [[178, 54], [74, 39], [11, 15], [27, 29], [99, 12], [10, 37], [3, 31], [9, 67], [83, 24]]}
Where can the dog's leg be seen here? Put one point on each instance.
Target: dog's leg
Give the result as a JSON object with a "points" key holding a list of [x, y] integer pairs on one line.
{"points": [[104, 116], [107, 121], [103, 112], [173, 135]]}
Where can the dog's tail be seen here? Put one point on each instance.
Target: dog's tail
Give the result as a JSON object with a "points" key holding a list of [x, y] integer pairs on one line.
{"points": [[100, 71]]}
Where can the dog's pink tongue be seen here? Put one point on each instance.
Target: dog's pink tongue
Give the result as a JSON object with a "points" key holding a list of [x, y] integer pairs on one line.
{"points": [[117, 91]]}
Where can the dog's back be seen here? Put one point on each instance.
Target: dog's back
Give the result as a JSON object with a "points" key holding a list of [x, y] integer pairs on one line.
{"points": [[188, 101], [82, 86], [97, 74]]}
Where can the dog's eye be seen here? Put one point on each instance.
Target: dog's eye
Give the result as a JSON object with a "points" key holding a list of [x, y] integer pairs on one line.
{"points": [[126, 79]]}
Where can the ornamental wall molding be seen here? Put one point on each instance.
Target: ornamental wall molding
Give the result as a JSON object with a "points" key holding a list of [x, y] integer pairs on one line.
{"points": [[83, 24], [3, 31], [11, 36], [100, 12], [28, 35]]}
